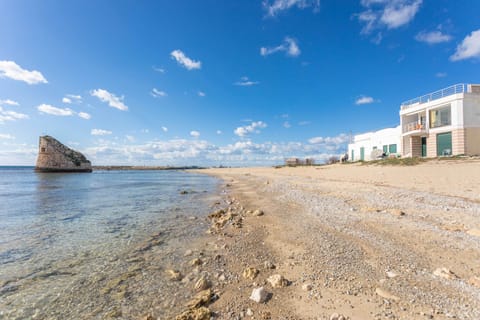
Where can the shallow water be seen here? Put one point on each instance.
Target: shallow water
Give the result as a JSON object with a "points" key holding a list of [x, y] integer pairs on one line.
{"points": [[93, 245]]}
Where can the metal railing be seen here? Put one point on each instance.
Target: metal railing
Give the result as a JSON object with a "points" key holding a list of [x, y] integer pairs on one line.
{"points": [[456, 88]]}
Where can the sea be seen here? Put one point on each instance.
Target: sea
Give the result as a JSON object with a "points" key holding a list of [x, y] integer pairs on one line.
{"points": [[97, 245]]}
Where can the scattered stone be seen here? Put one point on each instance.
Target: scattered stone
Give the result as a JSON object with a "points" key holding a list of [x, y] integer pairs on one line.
{"points": [[269, 265], [148, 317], [474, 232], [201, 313], [250, 273], [188, 253], [201, 299], [259, 295], [184, 192], [474, 281], [277, 281], [307, 287], [202, 284], [391, 274], [196, 262], [444, 273], [387, 295], [249, 312], [336, 316], [258, 213], [174, 275], [397, 212]]}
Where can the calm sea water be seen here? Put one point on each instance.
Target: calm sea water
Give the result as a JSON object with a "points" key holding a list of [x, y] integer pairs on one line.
{"points": [[57, 229]]}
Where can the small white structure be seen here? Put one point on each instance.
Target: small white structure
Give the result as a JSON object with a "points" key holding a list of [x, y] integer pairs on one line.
{"points": [[368, 146], [442, 123]]}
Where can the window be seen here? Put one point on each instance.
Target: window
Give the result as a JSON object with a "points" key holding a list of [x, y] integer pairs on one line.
{"points": [[385, 149], [440, 117], [392, 148]]}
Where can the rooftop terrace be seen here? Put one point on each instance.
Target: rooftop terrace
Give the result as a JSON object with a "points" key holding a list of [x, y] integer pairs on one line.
{"points": [[456, 88]]}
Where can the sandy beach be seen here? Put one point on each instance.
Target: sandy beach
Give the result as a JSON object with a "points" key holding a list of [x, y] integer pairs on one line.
{"points": [[346, 242]]}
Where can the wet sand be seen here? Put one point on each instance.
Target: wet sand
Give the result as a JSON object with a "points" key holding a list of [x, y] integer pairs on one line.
{"points": [[352, 241]]}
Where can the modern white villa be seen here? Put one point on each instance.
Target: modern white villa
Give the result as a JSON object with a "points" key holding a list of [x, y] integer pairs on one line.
{"points": [[442, 123]]}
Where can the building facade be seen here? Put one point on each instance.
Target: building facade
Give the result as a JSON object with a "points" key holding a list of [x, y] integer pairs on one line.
{"points": [[442, 123], [372, 145]]}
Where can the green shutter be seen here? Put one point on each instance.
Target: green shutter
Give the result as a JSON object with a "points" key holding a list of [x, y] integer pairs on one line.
{"points": [[362, 153], [444, 144], [385, 149], [392, 148], [353, 153]]}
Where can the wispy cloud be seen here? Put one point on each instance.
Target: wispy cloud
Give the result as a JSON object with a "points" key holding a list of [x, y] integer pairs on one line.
{"points": [[9, 102], [9, 69], [389, 14], [185, 61], [54, 111], [289, 46], [253, 127], [469, 48], [273, 8], [201, 94], [245, 82], [110, 98], [160, 70], [304, 123], [219, 131], [8, 115], [72, 98], [6, 136], [432, 37], [100, 132], [287, 125], [364, 100], [84, 115], [195, 134], [335, 141], [164, 129], [158, 93], [440, 74]]}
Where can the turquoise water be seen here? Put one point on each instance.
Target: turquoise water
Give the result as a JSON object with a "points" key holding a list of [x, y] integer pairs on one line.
{"points": [[58, 231]]}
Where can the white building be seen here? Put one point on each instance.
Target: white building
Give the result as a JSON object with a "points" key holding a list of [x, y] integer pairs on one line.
{"points": [[385, 141], [445, 122]]}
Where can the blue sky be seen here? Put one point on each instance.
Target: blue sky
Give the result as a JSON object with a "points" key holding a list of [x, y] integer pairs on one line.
{"points": [[221, 82]]}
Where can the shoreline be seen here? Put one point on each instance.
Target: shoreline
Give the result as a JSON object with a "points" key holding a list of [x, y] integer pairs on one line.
{"points": [[388, 246]]}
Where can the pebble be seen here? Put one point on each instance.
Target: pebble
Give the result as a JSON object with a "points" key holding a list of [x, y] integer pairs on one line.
{"points": [[444, 273], [202, 284], [307, 287], [258, 213], [387, 295], [249, 312], [269, 265], [250, 273], [277, 281], [259, 295]]}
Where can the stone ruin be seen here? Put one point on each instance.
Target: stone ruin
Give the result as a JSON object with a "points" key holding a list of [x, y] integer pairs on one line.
{"points": [[53, 156]]}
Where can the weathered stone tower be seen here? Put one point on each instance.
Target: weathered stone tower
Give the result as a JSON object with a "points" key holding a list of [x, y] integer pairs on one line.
{"points": [[53, 156]]}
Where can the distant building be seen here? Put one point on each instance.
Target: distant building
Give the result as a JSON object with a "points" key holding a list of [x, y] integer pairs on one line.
{"points": [[299, 162], [442, 123], [373, 145]]}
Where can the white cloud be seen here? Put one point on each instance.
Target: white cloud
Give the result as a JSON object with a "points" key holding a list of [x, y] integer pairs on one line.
{"points": [[219, 131], [9, 69], [341, 139], [390, 14], [161, 70], [158, 93], [66, 100], [433, 37], [185, 61], [49, 109], [441, 74], [201, 94], [9, 102], [6, 136], [289, 46], [287, 125], [254, 127], [364, 100], [7, 115], [469, 48], [72, 98], [84, 115], [245, 82], [304, 123], [277, 6], [130, 138], [100, 132], [164, 129], [195, 134], [112, 100]]}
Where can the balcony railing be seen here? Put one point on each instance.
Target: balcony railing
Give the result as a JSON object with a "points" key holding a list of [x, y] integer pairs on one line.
{"points": [[414, 126], [457, 88]]}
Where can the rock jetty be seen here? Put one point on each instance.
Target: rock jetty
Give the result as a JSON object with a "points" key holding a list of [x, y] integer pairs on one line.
{"points": [[53, 156]]}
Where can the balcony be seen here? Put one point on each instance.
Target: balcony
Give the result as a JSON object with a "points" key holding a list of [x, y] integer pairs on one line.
{"points": [[414, 127], [457, 88]]}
